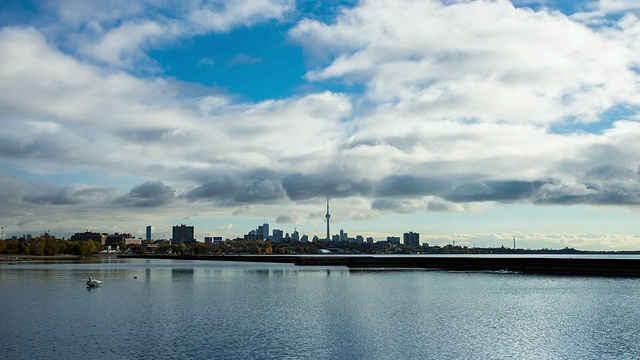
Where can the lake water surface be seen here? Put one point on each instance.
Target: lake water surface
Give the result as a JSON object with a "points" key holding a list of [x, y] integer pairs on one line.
{"points": [[166, 309]]}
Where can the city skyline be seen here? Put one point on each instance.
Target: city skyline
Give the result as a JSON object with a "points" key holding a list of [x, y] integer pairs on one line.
{"points": [[468, 121]]}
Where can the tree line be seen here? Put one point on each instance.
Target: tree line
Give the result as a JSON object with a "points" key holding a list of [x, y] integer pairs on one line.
{"points": [[49, 245]]}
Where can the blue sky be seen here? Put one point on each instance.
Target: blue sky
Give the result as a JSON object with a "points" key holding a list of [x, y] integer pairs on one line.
{"points": [[467, 121]]}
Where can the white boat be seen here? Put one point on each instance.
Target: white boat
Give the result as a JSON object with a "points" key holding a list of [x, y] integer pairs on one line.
{"points": [[93, 282]]}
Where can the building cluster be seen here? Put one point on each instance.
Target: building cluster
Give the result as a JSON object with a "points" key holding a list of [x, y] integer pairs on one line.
{"points": [[185, 234], [277, 235], [106, 239]]}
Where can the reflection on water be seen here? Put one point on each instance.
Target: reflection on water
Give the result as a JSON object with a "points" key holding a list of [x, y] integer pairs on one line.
{"points": [[164, 309], [182, 272]]}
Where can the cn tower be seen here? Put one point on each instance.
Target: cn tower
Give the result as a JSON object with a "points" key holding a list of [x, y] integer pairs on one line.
{"points": [[328, 216]]}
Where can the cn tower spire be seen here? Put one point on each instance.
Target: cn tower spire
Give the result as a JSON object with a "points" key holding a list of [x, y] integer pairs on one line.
{"points": [[328, 216]]}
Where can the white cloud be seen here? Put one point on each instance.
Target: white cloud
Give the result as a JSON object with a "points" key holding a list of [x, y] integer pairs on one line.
{"points": [[617, 6], [483, 60], [222, 16], [122, 45], [119, 33]]}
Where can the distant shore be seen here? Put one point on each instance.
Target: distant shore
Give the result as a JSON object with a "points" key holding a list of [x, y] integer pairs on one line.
{"points": [[564, 265], [21, 258]]}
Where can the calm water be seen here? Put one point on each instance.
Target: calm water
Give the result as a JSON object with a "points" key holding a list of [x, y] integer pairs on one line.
{"points": [[209, 310]]}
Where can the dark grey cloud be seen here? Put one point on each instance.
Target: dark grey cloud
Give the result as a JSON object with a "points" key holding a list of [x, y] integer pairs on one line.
{"points": [[612, 173], [619, 194], [260, 191], [216, 187], [501, 190], [286, 219], [408, 185], [62, 196], [10, 148], [626, 194], [257, 186], [148, 194], [299, 186], [400, 206], [143, 135], [56, 195], [43, 147]]}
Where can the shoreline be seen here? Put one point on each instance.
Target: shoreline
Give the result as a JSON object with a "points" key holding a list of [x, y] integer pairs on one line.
{"points": [[568, 265], [27, 258]]}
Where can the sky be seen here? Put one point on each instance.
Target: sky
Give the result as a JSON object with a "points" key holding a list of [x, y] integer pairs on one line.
{"points": [[468, 121]]}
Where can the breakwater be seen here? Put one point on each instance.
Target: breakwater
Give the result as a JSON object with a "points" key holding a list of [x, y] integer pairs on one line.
{"points": [[582, 266]]}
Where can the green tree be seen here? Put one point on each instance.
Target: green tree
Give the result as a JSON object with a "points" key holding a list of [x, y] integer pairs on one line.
{"points": [[37, 246], [23, 247], [11, 246], [139, 249], [50, 247], [62, 246]]}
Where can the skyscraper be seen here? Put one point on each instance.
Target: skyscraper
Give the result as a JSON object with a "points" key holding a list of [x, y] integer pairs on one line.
{"points": [[328, 216], [149, 233], [277, 235]]}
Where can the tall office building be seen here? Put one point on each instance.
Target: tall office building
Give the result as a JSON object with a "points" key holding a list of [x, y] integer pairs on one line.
{"points": [[411, 239], [149, 233], [264, 231], [277, 235], [183, 233]]}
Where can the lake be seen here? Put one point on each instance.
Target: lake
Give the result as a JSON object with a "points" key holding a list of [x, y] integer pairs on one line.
{"points": [[171, 309]]}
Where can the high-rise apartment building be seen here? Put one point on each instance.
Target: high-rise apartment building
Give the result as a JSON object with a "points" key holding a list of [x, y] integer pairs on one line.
{"points": [[183, 233], [411, 239]]}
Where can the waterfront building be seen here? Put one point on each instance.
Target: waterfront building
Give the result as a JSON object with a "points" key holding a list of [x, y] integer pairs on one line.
{"points": [[295, 236], [304, 238], [148, 233], [88, 235], [183, 233], [116, 238], [393, 239], [213, 240], [411, 239], [369, 240]]}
